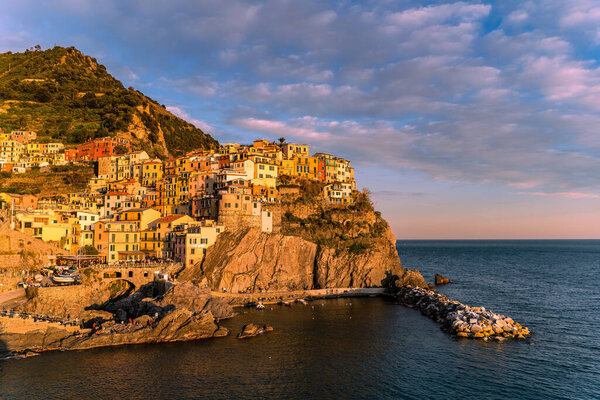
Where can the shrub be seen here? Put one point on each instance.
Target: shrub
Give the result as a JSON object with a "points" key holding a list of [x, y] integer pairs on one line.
{"points": [[359, 247], [31, 292]]}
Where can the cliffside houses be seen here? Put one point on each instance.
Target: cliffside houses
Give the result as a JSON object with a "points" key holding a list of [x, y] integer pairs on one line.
{"points": [[141, 208], [21, 151]]}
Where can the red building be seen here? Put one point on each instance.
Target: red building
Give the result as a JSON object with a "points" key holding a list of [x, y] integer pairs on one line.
{"points": [[101, 147], [71, 154], [224, 162]]}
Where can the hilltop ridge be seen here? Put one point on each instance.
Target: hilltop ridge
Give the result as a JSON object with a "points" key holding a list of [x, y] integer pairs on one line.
{"points": [[66, 95]]}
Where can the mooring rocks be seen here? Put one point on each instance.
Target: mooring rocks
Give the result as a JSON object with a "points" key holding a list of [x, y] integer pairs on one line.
{"points": [[459, 319]]}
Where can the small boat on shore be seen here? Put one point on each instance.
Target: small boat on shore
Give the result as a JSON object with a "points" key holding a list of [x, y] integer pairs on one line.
{"points": [[302, 301], [287, 304], [260, 306], [64, 279]]}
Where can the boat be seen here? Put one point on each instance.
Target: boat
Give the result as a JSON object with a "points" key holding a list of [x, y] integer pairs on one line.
{"points": [[302, 301], [64, 278], [260, 306], [287, 303]]}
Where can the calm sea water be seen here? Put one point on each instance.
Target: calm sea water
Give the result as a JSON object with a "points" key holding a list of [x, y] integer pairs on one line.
{"points": [[369, 348]]}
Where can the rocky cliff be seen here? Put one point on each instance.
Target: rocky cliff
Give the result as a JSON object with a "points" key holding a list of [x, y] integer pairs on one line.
{"points": [[82, 317], [317, 246]]}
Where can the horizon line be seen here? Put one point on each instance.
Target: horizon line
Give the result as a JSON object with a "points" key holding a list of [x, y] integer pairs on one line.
{"points": [[490, 239]]}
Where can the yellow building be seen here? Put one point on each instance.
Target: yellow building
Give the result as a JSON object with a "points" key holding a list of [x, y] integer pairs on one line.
{"points": [[286, 167], [43, 224], [33, 148], [265, 171], [230, 148], [51, 148], [153, 238], [188, 245], [143, 217], [11, 151], [293, 149], [123, 239], [338, 193], [307, 167], [152, 172]]}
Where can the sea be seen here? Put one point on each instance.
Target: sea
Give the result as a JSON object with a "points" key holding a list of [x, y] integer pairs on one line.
{"points": [[370, 348]]}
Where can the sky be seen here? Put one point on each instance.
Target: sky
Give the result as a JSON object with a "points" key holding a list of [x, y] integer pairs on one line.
{"points": [[464, 119]]}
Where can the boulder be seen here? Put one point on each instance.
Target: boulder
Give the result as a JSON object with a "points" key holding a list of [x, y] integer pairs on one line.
{"points": [[251, 330], [440, 280]]}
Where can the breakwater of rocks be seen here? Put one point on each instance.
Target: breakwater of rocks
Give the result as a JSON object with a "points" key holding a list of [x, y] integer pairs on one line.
{"points": [[459, 319]]}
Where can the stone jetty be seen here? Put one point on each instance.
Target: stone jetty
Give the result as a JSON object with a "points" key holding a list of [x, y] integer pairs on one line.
{"points": [[459, 319]]}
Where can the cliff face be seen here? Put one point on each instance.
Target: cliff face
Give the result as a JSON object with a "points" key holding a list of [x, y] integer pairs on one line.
{"points": [[249, 260], [315, 247]]}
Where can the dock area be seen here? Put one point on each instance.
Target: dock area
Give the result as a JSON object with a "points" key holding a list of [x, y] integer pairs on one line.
{"points": [[274, 297]]}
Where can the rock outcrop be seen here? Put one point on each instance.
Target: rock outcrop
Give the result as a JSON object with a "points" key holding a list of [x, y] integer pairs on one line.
{"points": [[251, 330], [440, 280], [81, 317], [249, 260], [178, 325]]}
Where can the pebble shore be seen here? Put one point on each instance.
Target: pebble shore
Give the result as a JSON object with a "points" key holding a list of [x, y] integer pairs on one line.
{"points": [[460, 319]]}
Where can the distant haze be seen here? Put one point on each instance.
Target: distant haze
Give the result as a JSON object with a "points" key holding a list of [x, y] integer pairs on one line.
{"points": [[465, 119]]}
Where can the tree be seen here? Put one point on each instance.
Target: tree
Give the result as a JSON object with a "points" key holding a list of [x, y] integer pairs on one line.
{"points": [[89, 250], [120, 149], [281, 141]]}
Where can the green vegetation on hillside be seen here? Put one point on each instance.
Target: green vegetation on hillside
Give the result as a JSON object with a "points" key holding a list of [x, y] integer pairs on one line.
{"points": [[48, 181], [65, 95], [351, 227]]}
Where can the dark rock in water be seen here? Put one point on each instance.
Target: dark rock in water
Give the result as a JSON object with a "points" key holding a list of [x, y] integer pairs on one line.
{"points": [[440, 280], [411, 277], [251, 330]]}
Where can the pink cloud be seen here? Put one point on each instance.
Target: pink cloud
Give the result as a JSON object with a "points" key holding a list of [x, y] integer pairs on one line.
{"points": [[416, 17], [205, 127], [563, 195], [278, 128]]}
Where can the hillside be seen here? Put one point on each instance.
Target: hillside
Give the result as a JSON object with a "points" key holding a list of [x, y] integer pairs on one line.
{"points": [[67, 96], [48, 181]]}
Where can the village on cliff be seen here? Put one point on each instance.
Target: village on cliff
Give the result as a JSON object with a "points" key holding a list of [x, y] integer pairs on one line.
{"points": [[137, 209]]}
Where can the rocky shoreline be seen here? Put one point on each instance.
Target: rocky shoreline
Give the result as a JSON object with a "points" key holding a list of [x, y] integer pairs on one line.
{"points": [[460, 319], [183, 312], [187, 312]]}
